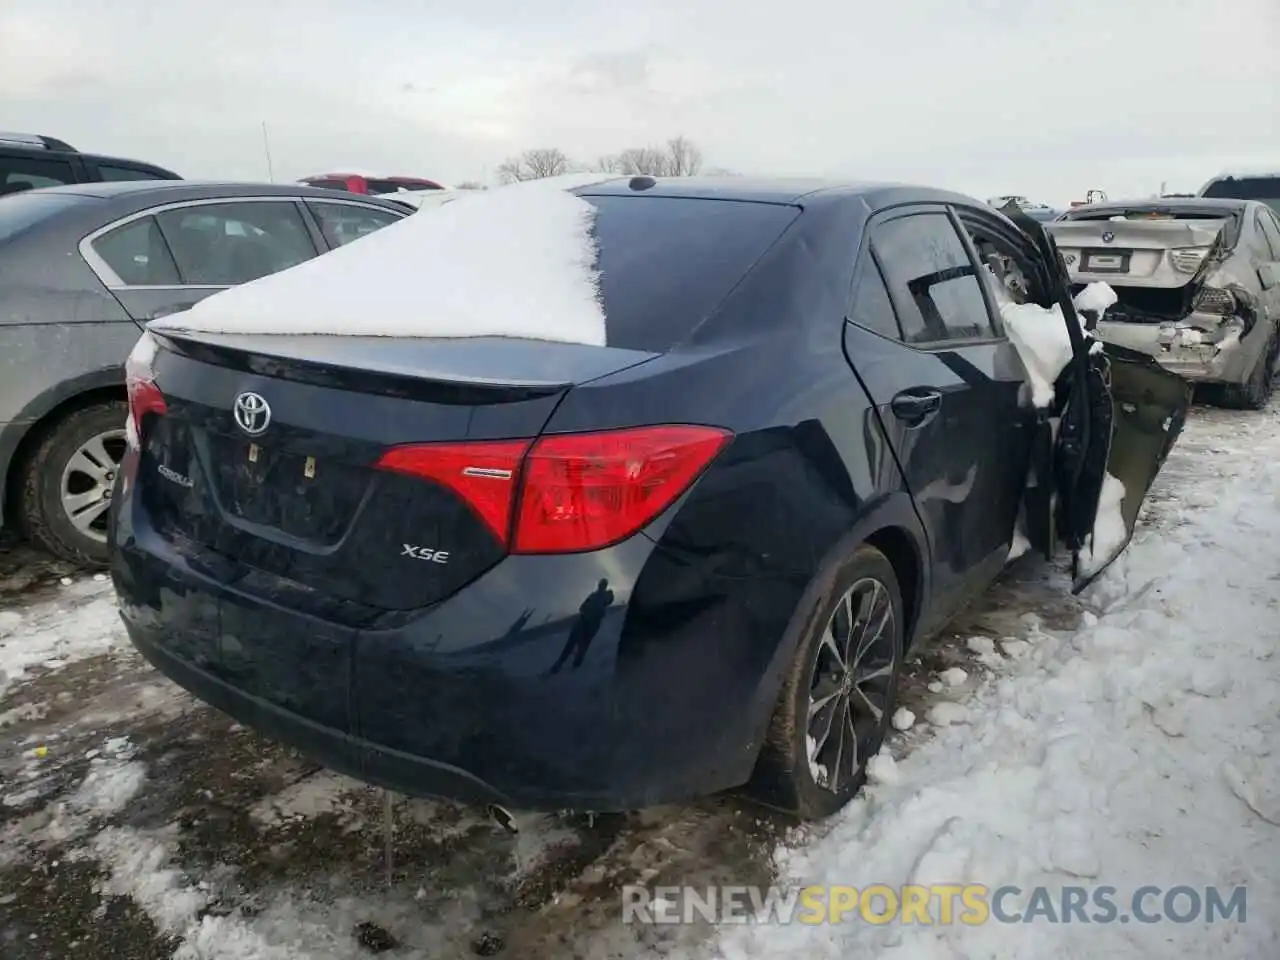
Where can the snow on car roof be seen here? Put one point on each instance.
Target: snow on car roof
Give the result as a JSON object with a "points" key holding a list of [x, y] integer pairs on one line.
{"points": [[518, 261]]}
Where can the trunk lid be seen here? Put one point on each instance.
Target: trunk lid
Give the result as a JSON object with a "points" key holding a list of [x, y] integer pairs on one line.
{"points": [[292, 488], [1136, 253]]}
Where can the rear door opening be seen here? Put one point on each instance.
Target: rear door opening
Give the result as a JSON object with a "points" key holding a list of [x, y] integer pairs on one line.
{"points": [[1121, 416]]}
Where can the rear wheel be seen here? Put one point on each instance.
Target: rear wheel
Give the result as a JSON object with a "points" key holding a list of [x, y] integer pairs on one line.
{"points": [[1256, 392], [67, 482], [838, 696]]}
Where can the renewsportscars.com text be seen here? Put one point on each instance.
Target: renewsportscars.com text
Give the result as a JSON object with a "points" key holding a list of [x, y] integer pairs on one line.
{"points": [[943, 904]]}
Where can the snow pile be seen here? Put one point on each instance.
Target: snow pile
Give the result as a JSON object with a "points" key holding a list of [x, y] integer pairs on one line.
{"points": [[518, 261], [1097, 297], [1109, 531], [113, 780], [82, 623], [139, 866], [1138, 749], [1041, 336]]}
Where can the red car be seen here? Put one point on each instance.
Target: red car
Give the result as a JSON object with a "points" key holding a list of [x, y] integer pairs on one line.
{"points": [[369, 185]]}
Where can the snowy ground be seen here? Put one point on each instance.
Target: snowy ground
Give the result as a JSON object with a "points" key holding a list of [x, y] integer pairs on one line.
{"points": [[1120, 738]]}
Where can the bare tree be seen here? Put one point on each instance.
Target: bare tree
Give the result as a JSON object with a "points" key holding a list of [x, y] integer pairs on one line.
{"points": [[642, 161], [609, 163], [679, 157], [684, 159], [534, 165]]}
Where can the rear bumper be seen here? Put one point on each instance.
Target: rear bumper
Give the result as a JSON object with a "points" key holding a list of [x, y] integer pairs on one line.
{"points": [[483, 698], [1188, 352], [336, 750]]}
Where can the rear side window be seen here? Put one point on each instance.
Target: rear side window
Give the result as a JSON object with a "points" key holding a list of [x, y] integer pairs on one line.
{"points": [[24, 210], [137, 254], [1271, 232], [343, 222], [29, 173], [872, 309], [111, 173], [666, 263], [934, 280], [328, 184], [232, 243], [1266, 189]]}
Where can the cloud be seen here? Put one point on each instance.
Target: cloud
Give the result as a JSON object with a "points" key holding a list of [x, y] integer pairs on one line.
{"points": [[987, 96]]}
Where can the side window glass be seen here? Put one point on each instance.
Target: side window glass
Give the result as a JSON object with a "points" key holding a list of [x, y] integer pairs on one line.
{"points": [[137, 254], [24, 173], [343, 222], [112, 174], [224, 244], [1271, 234], [872, 309], [928, 268]]}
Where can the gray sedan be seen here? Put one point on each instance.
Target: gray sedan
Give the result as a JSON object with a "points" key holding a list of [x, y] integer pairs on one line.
{"points": [[82, 268]]}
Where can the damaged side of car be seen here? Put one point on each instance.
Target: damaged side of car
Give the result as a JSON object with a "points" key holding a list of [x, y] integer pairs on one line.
{"points": [[1192, 285]]}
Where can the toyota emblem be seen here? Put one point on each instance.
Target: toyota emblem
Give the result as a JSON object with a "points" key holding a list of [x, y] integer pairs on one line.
{"points": [[252, 413], [1107, 236]]}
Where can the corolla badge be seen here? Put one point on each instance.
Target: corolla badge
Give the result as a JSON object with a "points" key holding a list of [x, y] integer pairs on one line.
{"points": [[1107, 236], [252, 413]]}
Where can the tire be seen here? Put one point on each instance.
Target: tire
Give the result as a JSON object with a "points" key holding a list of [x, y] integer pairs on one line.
{"points": [[1255, 393], [66, 460], [784, 776]]}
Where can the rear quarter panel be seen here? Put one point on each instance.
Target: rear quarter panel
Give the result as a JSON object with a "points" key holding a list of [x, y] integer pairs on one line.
{"points": [[61, 334], [808, 475]]}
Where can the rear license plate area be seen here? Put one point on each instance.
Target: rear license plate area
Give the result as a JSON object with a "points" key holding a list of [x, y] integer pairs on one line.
{"points": [[1105, 261], [307, 497]]}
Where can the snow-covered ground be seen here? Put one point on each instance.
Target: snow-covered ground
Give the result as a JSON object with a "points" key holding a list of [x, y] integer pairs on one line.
{"points": [[1138, 749], [1122, 738]]}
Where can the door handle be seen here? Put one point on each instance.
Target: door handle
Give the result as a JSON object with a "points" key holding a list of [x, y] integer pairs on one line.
{"points": [[913, 407]]}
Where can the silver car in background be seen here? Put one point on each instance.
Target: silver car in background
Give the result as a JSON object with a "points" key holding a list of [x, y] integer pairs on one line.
{"points": [[1198, 282]]}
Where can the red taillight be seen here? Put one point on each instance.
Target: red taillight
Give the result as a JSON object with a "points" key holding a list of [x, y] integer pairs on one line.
{"points": [[144, 396], [483, 474], [574, 492], [586, 491]]}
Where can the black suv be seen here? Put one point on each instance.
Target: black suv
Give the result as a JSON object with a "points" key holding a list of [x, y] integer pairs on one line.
{"points": [[29, 161]]}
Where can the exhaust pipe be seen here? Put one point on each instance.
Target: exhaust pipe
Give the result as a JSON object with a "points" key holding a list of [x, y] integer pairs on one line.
{"points": [[503, 818]]}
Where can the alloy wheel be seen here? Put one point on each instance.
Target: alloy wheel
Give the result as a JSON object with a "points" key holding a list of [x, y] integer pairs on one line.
{"points": [[87, 479], [851, 684]]}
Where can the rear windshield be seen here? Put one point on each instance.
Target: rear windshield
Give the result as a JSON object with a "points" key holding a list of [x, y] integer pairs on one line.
{"points": [[1266, 189], [667, 263], [377, 187], [21, 211], [1150, 214]]}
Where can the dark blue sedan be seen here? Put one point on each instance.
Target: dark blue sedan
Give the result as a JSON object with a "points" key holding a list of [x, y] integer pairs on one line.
{"points": [[554, 575]]}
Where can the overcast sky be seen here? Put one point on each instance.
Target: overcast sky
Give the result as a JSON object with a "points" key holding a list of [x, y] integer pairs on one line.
{"points": [[1041, 97]]}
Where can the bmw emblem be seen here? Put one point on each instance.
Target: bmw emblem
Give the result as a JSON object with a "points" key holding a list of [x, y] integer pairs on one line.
{"points": [[252, 413], [1107, 236]]}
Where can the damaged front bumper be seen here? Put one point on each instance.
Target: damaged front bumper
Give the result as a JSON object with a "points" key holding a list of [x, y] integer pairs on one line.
{"points": [[1203, 348]]}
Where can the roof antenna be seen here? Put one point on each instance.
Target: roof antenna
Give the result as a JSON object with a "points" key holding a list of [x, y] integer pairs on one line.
{"points": [[642, 183]]}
